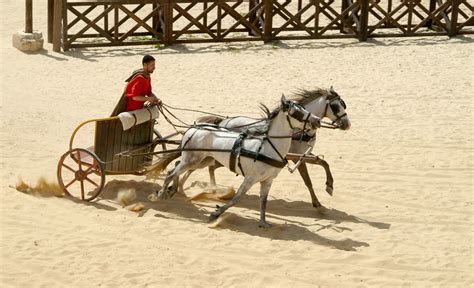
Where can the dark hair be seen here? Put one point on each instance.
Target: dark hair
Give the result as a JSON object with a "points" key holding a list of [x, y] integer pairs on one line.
{"points": [[147, 58]]}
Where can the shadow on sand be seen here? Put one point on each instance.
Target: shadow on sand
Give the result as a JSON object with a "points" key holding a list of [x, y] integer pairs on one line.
{"points": [[306, 210], [94, 54], [286, 232], [181, 208]]}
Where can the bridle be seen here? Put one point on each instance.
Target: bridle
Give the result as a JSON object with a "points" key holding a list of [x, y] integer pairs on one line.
{"points": [[300, 114], [334, 108]]}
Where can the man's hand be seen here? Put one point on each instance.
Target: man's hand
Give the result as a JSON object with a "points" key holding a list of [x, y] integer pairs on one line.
{"points": [[154, 100]]}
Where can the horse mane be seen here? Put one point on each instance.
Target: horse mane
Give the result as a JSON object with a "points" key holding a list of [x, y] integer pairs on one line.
{"points": [[303, 96], [267, 113]]}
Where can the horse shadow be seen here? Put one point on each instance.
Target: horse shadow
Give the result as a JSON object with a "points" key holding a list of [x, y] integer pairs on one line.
{"points": [[285, 232], [305, 209], [180, 207]]}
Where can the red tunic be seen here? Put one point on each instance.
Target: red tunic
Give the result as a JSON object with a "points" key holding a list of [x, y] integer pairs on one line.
{"points": [[138, 86]]}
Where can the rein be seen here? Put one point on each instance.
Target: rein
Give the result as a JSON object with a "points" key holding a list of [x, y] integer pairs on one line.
{"points": [[192, 110], [164, 108]]}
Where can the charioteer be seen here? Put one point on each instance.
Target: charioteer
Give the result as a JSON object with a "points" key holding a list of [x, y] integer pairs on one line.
{"points": [[138, 90]]}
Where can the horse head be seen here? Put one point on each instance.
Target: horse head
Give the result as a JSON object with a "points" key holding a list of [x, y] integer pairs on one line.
{"points": [[299, 113], [337, 110]]}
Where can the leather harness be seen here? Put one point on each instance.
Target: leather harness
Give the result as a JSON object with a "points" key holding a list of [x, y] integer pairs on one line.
{"points": [[238, 151]]}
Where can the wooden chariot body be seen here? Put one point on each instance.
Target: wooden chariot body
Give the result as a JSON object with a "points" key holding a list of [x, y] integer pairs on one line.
{"points": [[81, 171]]}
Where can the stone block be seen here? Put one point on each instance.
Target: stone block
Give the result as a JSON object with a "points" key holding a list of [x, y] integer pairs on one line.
{"points": [[28, 42]]}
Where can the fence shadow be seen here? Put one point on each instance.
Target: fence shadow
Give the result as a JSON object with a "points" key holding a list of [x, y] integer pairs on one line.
{"points": [[95, 54]]}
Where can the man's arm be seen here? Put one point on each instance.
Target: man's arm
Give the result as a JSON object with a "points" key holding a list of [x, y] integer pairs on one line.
{"points": [[153, 99], [137, 87]]}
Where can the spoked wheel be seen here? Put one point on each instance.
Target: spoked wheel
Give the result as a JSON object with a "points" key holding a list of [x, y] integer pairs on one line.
{"points": [[81, 174]]}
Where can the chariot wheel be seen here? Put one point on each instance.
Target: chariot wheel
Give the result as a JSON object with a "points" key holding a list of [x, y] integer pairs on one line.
{"points": [[81, 174]]}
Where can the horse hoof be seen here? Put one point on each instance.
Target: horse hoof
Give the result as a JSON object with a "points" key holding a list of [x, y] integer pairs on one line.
{"points": [[163, 195], [329, 189], [263, 224], [153, 197], [213, 217]]}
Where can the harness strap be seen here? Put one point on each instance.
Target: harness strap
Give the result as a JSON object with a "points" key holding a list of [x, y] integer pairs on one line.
{"points": [[303, 136], [189, 139], [258, 151], [235, 152], [274, 148], [263, 158]]}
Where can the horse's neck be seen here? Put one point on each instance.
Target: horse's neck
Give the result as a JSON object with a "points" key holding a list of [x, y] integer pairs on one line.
{"points": [[317, 107], [279, 133]]}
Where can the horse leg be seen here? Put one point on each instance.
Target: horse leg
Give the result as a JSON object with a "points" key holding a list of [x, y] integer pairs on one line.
{"points": [[212, 174], [244, 187], [183, 180], [172, 175], [329, 179], [307, 181], [264, 189]]}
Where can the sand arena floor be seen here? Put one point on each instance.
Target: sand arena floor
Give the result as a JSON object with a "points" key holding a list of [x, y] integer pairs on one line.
{"points": [[402, 210]]}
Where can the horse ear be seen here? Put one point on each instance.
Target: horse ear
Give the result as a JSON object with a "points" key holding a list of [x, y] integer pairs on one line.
{"points": [[332, 90], [283, 99]]}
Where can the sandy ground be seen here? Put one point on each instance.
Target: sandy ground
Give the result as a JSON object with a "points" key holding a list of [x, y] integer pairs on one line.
{"points": [[402, 210]]}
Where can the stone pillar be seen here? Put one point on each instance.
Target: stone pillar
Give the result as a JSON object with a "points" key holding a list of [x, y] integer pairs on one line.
{"points": [[28, 40]]}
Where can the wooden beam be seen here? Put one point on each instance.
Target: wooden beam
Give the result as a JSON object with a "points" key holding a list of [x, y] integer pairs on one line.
{"points": [[65, 29], [267, 29], [454, 18], [50, 20], [58, 16], [29, 16], [168, 19], [364, 19]]}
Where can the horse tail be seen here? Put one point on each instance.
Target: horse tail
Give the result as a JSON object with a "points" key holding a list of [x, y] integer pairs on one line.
{"points": [[210, 119], [154, 170]]}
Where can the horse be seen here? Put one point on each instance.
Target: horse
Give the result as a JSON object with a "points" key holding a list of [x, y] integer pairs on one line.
{"points": [[258, 154], [320, 102]]}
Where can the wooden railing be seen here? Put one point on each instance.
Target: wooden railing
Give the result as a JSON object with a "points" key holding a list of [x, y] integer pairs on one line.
{"points": [[93, 23]]}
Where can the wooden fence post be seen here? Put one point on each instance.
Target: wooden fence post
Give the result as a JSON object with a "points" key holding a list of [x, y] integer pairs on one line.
{"points": [[432, 8], [156, 18], [268, 23], [168, 20], [58, 16], [344, 6], [252, 16], [29, 16], [454, 18], [364, 19], [64, 30], [50, 20]]}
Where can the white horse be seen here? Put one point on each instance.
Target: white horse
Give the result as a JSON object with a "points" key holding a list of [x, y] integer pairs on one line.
{"points": [[258, 155], [320, 102]]}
